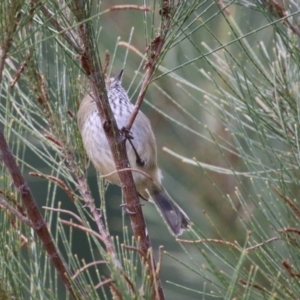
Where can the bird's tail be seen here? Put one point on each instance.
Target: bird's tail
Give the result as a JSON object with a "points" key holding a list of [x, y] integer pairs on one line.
{"points": [[176, 219]]}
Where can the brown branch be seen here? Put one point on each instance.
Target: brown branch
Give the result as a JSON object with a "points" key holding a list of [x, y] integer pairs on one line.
{"points": [[69, 156], [92, 67], [34, 215], [118, 149], [33, 212], [80, 179]]}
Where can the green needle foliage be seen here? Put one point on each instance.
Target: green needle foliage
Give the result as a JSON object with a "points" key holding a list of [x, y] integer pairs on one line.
{"points": [[223, 100]]}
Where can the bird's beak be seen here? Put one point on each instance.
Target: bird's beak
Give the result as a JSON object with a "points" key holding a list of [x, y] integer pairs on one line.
{"points": [[118, 78]]}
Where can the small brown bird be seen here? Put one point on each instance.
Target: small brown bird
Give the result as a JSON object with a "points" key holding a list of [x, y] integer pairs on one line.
{"points": [[141, 150]]}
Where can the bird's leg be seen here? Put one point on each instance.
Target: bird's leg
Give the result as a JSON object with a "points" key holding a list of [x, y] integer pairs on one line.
{"points": [[128, 136], [126, 209]]}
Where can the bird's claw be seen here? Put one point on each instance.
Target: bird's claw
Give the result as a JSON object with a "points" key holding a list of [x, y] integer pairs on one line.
{"points": [[127, 133], [128, 136], [126, 210]]}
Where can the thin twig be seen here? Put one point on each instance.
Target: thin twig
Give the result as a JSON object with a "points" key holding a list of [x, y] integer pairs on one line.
{"points": [[15, 212], [115, 291], [88, 199], [85, 267], [154, 52], [24, 240], [83, 228], [254, 285], [127, 169], [159, 262], [288, 201], [289, 269], [18, 74], [153, 271], [106, 62], [61, 30], [261, 244], [3, 53], [101, 284], [130, 47], [11, 199], [128, 6], [271, 114], [66, 212], [56, 180], [53, 139], [129, 282], [228, 243], [134, 249], [209, 241], [290, 229]]}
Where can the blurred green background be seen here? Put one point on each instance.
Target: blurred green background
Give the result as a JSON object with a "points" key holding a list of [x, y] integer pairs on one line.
{"points": [[184, 119]]}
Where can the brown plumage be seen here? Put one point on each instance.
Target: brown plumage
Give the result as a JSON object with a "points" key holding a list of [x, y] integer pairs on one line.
{"points": [[143, 141]]}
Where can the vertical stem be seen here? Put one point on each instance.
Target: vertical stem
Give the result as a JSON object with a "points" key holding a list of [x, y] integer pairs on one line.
{"points": [[33, 212], [92, 67]]}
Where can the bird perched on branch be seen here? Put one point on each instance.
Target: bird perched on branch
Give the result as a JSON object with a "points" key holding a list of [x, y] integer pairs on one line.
{"points": [[141, 151]]}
